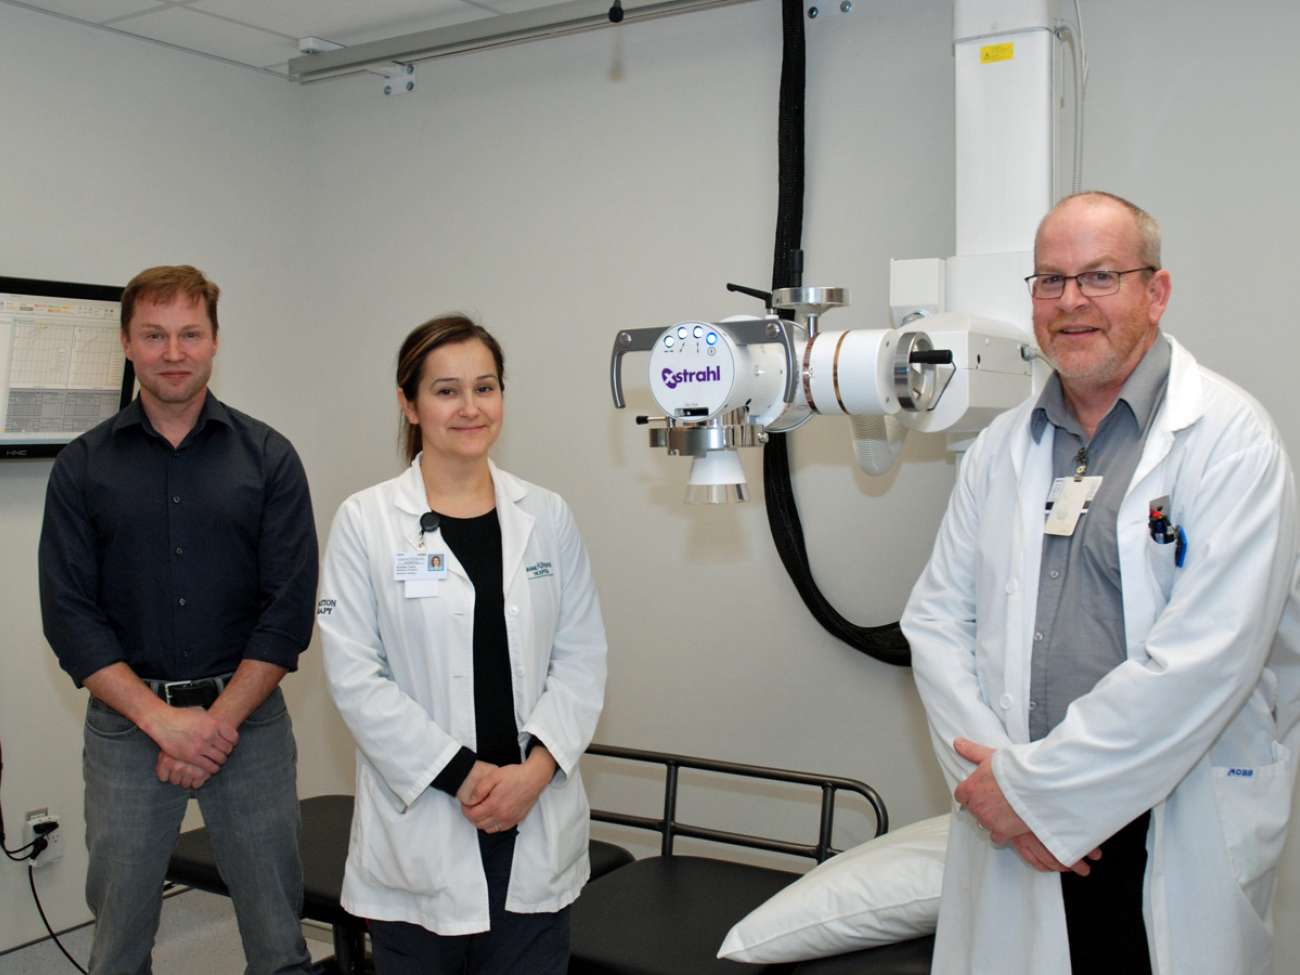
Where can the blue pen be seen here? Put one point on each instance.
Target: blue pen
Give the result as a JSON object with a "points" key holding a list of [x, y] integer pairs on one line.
{"points": [[1180, 548]]}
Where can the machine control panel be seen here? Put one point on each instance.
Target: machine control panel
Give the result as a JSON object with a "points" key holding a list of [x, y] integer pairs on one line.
{"points": [[693, 367]]}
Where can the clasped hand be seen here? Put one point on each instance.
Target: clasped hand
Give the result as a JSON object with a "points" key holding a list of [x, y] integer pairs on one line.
{"points": [[983, 798], [496, 798]]}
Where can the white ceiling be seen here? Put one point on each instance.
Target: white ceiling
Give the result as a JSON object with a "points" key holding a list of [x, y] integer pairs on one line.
{"points": [[264, 33]]}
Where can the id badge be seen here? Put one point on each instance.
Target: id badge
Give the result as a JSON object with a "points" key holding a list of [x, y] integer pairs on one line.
{"points": [[1068, 498], [419, 573], [410, 566], [419, 566]]}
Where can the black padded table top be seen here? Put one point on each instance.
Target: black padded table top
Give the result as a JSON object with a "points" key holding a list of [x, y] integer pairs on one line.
{"points": [[669, 915], [905, 958], [659, 916]]}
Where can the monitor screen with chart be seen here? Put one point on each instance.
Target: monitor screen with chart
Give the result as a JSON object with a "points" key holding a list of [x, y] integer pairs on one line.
{"points": [[61, 364]]}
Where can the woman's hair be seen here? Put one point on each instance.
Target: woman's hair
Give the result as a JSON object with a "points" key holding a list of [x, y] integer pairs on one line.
{"points": [[433, 334]]}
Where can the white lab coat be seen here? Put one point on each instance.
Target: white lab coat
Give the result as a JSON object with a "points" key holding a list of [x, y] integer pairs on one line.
{"points": [[401, 672], [1198, 724]]}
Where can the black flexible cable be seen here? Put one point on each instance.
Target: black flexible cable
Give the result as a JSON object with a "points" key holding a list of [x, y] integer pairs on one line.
{"points": [[8, 852], [31, 879], [885, 643], [17, 859], [786, 266], [37, 846]]}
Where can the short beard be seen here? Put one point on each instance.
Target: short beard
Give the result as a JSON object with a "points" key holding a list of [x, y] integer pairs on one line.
{"points": [[1095, 370]]}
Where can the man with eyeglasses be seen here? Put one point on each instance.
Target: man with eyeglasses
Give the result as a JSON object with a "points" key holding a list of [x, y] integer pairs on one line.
{"points": [[1096, 641]]}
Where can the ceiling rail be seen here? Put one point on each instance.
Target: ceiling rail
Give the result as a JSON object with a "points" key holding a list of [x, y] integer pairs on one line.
{"points": [[479, 35]]}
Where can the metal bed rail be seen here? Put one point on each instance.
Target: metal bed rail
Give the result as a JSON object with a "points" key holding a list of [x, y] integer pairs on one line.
{"points": [[669, 828]]}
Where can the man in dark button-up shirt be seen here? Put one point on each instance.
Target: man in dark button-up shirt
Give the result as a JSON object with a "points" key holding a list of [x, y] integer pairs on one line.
{"points": [[178, 571]]}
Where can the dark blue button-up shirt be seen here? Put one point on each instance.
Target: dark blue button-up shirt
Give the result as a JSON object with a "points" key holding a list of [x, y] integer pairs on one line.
{"points": [[180, 562]]}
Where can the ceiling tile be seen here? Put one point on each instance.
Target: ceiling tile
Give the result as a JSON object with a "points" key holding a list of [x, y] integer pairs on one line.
{"points": [[263, 33], [211, 35], [96, 11], [345, 21]]}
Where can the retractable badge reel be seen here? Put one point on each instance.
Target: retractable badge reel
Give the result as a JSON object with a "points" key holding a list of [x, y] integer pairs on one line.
{"points": [[429, 522], [436, 564]]}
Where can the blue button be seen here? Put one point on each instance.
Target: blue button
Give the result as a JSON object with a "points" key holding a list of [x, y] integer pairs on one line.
{"points": [[711, 338]]}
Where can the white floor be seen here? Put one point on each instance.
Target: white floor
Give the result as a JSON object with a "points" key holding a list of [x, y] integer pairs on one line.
{"points": [[197, 934]]}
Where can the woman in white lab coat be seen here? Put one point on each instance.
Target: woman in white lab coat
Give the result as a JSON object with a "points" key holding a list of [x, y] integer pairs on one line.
{"points": [[1198, 725], [465, 650]]}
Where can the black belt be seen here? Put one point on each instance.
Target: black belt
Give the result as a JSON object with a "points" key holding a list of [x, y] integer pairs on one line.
{"points": [[190, 693]]}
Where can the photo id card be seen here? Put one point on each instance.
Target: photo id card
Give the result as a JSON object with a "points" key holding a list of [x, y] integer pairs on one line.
{"points": [[419, 573], [1068, 498], [414, 566]]}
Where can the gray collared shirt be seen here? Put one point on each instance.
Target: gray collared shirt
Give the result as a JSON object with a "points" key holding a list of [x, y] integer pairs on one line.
{"points": [[1079, 626]]}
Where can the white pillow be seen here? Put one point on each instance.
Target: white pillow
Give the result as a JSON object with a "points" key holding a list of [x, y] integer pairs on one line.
{"points": [[885, 890]]}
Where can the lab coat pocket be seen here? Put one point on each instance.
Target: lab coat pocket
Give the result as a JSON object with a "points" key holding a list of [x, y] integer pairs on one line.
{"points": [[393, 847], [1161, 565], [1254, 805], [566, 823]]}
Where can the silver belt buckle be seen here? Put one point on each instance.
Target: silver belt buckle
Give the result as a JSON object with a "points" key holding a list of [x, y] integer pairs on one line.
{"points": [[168, 685], [218, 683]]}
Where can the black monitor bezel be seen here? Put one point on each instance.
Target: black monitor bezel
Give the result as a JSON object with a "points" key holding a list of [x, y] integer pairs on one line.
{"points": [[38, 287]]}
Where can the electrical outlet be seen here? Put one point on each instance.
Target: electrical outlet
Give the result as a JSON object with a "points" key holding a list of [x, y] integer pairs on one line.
{"points": [[40, 822]]}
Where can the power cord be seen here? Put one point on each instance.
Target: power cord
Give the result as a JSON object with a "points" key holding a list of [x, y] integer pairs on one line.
{"points": [[31, 880], [35, 848], [17, 859]]}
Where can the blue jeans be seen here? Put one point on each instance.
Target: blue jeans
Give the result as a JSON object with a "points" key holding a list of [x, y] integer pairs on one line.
{"points": [[250, 809]]}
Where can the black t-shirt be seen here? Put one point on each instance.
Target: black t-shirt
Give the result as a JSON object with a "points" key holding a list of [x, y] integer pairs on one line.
{"points": [[476, 543]]}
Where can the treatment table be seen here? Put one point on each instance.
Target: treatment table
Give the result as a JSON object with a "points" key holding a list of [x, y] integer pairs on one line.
{"points": [[662, 915]]}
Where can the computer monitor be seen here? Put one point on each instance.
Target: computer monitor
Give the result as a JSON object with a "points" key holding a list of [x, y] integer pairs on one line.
{"points": [[61, 364]]}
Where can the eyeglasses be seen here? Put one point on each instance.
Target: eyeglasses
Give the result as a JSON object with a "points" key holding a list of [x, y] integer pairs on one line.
{"points": [[1092, 284]]}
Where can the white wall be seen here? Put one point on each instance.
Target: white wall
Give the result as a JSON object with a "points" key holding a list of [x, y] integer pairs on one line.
{"points": [[564, 190]]}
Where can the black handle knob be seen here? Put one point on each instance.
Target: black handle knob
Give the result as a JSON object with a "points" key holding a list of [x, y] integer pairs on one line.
{"points": [[931, 357], [764, 296]]}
